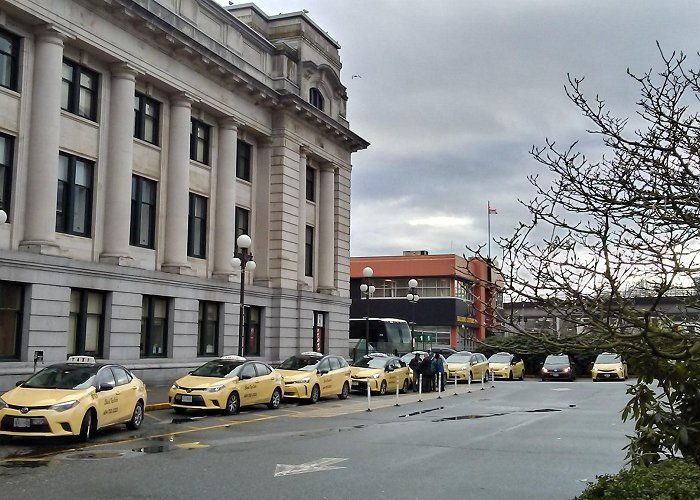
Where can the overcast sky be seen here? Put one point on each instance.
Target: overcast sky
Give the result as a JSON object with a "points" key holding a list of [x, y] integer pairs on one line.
{"points": [[452, 95]]}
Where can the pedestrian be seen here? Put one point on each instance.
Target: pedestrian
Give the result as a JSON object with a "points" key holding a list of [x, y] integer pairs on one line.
{"points": [[434, 370], [441, 363], [426, 373], [414, 365]]}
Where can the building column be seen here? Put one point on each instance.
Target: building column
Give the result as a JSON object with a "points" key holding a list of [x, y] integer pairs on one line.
{"points": [[303, 152], [326, 232], [261, 217], [120, 157], [225, 197], [44, 140], [177, 203]]}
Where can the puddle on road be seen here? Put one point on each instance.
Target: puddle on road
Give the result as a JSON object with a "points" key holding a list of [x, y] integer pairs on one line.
{"points": [[421, 412], [94, 455], [469, 417], [24, 464], [164, 443], [542, 410]]}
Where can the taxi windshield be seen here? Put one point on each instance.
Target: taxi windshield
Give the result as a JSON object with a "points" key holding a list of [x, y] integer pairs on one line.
{"points": [[608, 358], [556, 360], [63, 377], [459, 358], [218, 368], [370, 362], [305, 363], [500, 358]]}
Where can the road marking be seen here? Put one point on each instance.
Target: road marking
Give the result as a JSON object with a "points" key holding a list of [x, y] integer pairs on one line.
{"points": [[192, 446], [315, 466]]}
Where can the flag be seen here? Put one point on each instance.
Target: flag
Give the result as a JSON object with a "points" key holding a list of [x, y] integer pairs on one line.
{"points": [[492, 211]]}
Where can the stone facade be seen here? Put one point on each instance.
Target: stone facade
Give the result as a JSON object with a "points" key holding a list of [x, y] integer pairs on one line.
{"points": [[271, 83]]}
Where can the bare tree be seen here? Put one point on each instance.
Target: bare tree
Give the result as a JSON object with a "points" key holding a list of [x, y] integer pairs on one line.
{"points": [[629, 219]]}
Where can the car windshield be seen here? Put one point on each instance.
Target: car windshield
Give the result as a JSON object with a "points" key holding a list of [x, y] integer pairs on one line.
{"points": [[556, 360], [218, 368], [608, 358], [371, 362], [500, 358], [63, 377], [459, 357], [305, 363]]}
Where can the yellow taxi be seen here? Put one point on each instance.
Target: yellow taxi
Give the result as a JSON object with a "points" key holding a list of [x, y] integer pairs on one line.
{"points": [[609, 366], [311, 375], [75, 398], [506, 366], [465, 365], [381, 372], [226, 384]]}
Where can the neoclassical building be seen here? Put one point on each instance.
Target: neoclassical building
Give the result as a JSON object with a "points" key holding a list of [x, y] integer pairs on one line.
{"points": [[138, 139]]}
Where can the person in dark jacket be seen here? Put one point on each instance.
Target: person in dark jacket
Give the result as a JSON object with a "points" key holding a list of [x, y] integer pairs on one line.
{"points": [[426, 371], [414, 365]]}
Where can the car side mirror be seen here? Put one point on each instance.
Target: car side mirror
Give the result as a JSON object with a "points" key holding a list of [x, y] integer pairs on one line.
{"points": [[19, 382], [245, 377], [389, 369], [105, 387], [322, 372]]}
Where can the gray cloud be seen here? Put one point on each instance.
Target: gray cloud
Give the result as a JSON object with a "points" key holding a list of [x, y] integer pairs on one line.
{"points": [[454, 94]]}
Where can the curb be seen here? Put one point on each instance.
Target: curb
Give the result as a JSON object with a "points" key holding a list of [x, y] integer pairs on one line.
{"points": [[158, 406]]}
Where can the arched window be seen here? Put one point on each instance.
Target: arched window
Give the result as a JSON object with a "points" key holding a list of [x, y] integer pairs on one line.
{"points": [[316, 98]]}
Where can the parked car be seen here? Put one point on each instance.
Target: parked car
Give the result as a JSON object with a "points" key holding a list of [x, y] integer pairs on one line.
{"points": [[609, 366], [466, 365], [75, 398], [506, 366], [226, 384], [558, 367], [381, 373], [311, 375]]}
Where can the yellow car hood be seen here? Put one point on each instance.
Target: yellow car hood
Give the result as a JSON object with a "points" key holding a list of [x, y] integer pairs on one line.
{"points": [[607, 366], [364, 372], [21, 396], [457, 366], [194, 382], [294, 375], [498, 366]]}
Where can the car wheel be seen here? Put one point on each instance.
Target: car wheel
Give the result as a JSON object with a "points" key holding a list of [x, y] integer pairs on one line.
{"points": [[404, 390], [315, 395], [233, 404], [344, 393], [276, 399], [382, 388], [510, 375], [136, 417], [87, 427]]}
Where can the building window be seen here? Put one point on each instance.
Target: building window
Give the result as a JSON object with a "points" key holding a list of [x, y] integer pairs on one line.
{"points": [[197, 227], [242, 225], [252, 331], [243, 157], [154, 327], [319, 331], [143, 212], [9, 60], [147, 118], [7, 146], [79, 90], [310, 183], [86, 323], [309, 252], [11, 299], [316, 98], [208, 343], [74, 200], [199, 142]]}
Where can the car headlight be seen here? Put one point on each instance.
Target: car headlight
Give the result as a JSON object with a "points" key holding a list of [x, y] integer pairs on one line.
{"points": [[66, 405], [175, 386], [2, 404], [567, 369], [375, 376], [215, 388], [304, 380], [544, 370]]}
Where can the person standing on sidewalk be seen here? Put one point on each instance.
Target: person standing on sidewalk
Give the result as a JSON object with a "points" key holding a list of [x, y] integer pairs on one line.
{"points": [[414, 365]]}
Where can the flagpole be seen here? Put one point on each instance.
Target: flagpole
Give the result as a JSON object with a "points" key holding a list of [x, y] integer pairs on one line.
{"points": [[488, 219]]}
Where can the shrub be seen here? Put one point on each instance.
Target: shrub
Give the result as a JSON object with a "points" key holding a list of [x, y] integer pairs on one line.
{"points": [[672, 479]]}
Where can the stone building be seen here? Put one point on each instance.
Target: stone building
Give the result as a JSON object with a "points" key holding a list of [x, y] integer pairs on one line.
{"points": [[138, 139]]}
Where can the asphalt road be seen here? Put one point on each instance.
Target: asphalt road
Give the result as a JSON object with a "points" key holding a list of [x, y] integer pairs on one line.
{"points": [[513, 440]]}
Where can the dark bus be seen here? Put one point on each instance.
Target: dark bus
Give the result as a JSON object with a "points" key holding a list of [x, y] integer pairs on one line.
{"points": [[387, 335]]}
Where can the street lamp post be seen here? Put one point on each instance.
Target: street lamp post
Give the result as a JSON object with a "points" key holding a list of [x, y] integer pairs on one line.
{"points": [[368, 289], [3, 216], [413, 298], [243, 259]]}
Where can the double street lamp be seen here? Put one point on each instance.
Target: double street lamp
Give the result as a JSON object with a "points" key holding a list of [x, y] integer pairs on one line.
{"points": [[243, 259], [367, 288], [413, 297]]}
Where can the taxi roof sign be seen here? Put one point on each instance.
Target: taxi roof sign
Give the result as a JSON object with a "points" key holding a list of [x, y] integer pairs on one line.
{"points": [[90, 360], [233, 357], [312, 353]]}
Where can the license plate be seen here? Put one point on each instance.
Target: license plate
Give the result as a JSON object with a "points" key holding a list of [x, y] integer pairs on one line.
{"points": [[555, 374], [186, 399], [355, 383], [22, 422], [607, 375]]}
